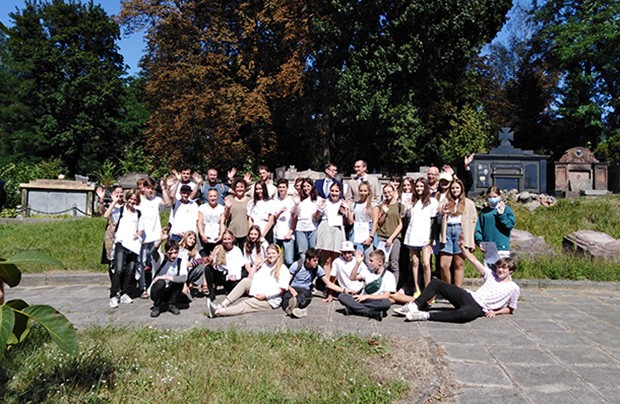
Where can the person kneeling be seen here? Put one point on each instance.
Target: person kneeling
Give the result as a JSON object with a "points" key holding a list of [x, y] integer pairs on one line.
{"points": [[299, 293], [169, 279], [497, 295], [265, 288], [374, 301]]}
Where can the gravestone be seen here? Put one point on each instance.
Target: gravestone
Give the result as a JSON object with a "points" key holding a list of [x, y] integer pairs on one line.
{"points": [[508, 168], [57, 197], [578, 171]]}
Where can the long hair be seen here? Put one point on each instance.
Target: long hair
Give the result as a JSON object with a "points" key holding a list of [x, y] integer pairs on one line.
{"points": [[369, 199], [456, 206], [426, 194], [313, 192], [219, 251], [337, 185], [193, 250], [275, 270], [263, 185], [253, 245]]}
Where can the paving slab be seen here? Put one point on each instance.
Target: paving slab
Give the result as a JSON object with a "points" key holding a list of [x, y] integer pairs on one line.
{"points": [[561, 345]]}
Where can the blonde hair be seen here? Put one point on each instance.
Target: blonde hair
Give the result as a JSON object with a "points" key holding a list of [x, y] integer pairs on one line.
{"points": [[275, 271], [183, 244], [368, 199]]}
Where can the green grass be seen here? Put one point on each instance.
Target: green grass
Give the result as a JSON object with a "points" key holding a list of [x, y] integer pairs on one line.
{"points": [[122, 365]]}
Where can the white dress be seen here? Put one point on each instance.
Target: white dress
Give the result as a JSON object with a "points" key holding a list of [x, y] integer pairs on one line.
{"points": [[419, 229]]}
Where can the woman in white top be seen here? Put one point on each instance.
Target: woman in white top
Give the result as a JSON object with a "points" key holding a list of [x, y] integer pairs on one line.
{"points": [[254, 249], [270, 281], [211, 222], [227, 266], [127, 245], [307, 218], [260, 210], [365, 216], [330, 235], [422, 210]]}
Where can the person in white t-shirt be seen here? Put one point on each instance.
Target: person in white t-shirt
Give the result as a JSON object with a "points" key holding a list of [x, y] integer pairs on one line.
{"points": [[169, 277], [260, 210], [497, 295], [266, 287], [150, 206], [127, 244], [211, 220], [227, 266], [184, 215], [283, 232], [372, 302]]}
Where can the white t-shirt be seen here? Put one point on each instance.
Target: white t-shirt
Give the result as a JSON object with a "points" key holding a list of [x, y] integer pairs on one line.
{"points": [[150, 215], [419, 229], [387, 285], [211, 218], [284, 221], [184, 217], [128, 225], [251, 258], [260, 212], [177, 196], [494, 295], [234, 263], [305, 211], [265, 284], [342, 269]]}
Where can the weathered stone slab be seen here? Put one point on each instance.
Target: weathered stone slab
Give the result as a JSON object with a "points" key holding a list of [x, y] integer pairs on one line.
{"points": [[525, 243], [593, 243]]}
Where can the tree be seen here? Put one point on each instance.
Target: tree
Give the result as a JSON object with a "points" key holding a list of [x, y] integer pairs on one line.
{"points": [[16, 316], [68, 70]]}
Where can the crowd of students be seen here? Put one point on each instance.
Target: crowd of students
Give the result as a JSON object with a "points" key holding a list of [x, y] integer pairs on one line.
{"points": [[369, 245]]}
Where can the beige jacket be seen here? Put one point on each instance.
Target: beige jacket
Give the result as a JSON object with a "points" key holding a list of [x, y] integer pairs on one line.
{"points": [[468, 221]]}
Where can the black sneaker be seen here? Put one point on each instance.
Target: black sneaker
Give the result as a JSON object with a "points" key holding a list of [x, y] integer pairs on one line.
{"points": [[376, 315], [155, 312], [174, 310]]}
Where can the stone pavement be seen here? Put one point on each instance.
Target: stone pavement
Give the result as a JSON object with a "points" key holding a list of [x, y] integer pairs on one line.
{"points": [[561, 345]]}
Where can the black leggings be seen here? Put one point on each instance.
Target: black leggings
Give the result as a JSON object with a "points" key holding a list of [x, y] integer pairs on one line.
{"points": [[465, 307]]}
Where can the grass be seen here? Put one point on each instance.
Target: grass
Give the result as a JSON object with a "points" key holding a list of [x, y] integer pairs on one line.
{"points": [[77, 242], [122, 365]]}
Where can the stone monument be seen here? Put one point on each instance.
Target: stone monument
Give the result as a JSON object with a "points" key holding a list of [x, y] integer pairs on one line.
{"points": [[578, 171]]}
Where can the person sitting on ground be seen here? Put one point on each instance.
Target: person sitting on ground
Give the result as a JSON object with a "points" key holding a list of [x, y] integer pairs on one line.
{"points": [[303, 274], [379, 283], [227, 266], [170, 276], [497, 295], [343, 266], [265, 288]]}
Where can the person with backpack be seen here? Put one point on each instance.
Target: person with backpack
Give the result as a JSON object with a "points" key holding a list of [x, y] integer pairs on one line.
{"points": [[127, 244], [303, 274], [212, 183], [379, 284]]}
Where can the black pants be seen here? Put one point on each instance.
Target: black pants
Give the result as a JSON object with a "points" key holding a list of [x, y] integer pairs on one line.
{"points": [[366, 308], [218, 278], [465, 307], [163, 295], [304, 297], [123, 269]]}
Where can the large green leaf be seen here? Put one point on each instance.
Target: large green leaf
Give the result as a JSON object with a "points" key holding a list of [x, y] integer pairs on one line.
{"points": [[21, 328], [9, 273], [34, 257], [7, 319], [59, 328]]}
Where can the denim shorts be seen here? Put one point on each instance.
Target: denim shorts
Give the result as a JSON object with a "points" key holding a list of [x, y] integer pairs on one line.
{"points": [[451, 246]]}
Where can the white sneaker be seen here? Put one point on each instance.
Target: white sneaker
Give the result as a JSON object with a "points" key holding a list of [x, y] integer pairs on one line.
{"points": [[126, 299], [299, 313], [114, 302], [410, 307], [417, 316], [212, 308]]}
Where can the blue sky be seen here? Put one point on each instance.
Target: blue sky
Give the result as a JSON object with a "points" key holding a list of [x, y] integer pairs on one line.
{"points": [[131, 47]]}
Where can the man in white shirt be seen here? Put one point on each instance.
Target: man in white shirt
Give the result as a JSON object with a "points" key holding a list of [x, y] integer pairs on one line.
{"points": [[361, 175], [379, 284], [343, 266], [184, 215]]}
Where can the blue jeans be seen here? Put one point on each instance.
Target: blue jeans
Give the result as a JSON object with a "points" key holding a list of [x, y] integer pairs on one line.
{"points": [[289, 250], [451, 246], [305, 240], [144, 261]]}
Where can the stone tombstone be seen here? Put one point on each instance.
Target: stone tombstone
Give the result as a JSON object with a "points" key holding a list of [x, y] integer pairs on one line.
{"points": [[578, 171], [130, 180], [508, 168], [57, 197]]}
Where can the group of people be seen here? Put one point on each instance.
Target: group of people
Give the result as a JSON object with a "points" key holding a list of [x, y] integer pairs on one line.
{"points": [[277, 244]]}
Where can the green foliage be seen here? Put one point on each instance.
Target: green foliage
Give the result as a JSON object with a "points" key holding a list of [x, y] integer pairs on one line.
{"points": [[470, 132], [66, 67], [609, 149], [16, 316], [14, 174], [116, 365], [106, 174]]}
